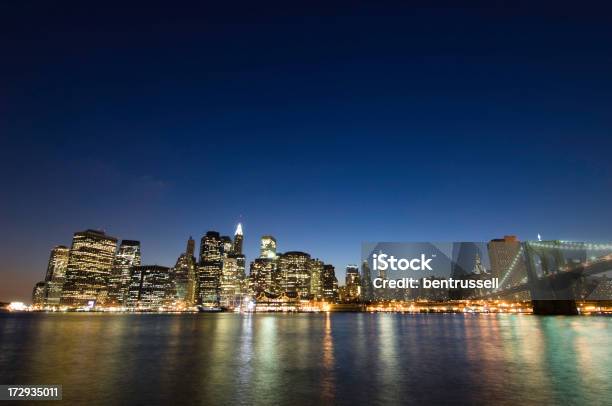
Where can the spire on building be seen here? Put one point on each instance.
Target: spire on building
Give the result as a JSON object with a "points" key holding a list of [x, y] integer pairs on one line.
{"points": [[190, 251], [238, 239]]}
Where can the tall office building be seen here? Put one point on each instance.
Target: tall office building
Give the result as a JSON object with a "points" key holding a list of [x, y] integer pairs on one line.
{"points": [[56, 272], [210, 269], [148, 288], [227, 246], [190, 247], [330, 284], [268, 247], [507, 260], [316, 273], [352, 283], [183, 276], [38, 294], [295, 274], [229, 284], [367, 289], [211, 247], [238, 239], [230, 288], [265, 277], [127, 257], [89, 266], [243, 282]]}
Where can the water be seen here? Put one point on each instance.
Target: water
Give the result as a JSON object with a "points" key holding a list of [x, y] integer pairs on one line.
{"points": [[298, 359]]}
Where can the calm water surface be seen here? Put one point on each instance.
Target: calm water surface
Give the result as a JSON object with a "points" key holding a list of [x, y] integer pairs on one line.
{"points": [[298, 359]]}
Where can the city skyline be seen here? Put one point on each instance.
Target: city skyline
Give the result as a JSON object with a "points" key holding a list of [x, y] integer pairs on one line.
{"points": [[261, 253], [98, 272], [286, 203], [322, 125], [237, 243]]}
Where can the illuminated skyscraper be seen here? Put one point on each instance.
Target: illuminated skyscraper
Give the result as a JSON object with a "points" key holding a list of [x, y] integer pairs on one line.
{"points": [[89, 266], [210, 269], [229, 286], [38, 294], [243, 283], [148, 287], [352, 283], [183, 276], [268, 247], [316, 272], [238, 239], [265, 277], [56, 272], [211, 247], [227, 246], [330, 284], [127, 257], [230, 281], [295, 274]]}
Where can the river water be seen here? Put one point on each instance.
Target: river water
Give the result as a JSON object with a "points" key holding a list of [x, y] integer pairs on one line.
{"points": [[275, 359]]}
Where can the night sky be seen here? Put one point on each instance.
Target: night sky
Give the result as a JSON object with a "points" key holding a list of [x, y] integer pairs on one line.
{"points": [[323, 125]]}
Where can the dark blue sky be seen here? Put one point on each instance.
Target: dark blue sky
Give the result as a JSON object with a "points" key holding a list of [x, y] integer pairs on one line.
{"points": [[322, 124]]}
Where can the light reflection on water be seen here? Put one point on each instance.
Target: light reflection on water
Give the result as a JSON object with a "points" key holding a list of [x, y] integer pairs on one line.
{"points": [[311, 358]]}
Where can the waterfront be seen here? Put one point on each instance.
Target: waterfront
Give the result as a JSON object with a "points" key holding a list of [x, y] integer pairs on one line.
{"points": [[310, 358]]}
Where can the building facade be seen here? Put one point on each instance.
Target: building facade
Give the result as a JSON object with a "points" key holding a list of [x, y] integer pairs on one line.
{"points": [[183, 277], [367, 289], [90, 263], [210, 269], [295, 274], [265, 277], [316, 274], [352, 284], [38, 294], [329, 283], [127, 257], [56, 273], [149, 287], [268, 247]]}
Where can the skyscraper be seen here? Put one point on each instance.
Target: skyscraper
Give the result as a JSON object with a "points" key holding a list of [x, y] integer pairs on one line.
{"points": [[127, 257], [148, 287], [265, 277], [295, 274], [89, 266], [229, 286], [210, 269], [367, 290], [238, 239], [230, 282], [190, 251], [38, 294], [243, 283], [183, 276], [316, 273], [329, 283], [352, 283], [56, 272], [268, 247]]}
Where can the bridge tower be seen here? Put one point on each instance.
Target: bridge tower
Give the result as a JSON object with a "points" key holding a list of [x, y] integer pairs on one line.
{"points": [[552, 291]]}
